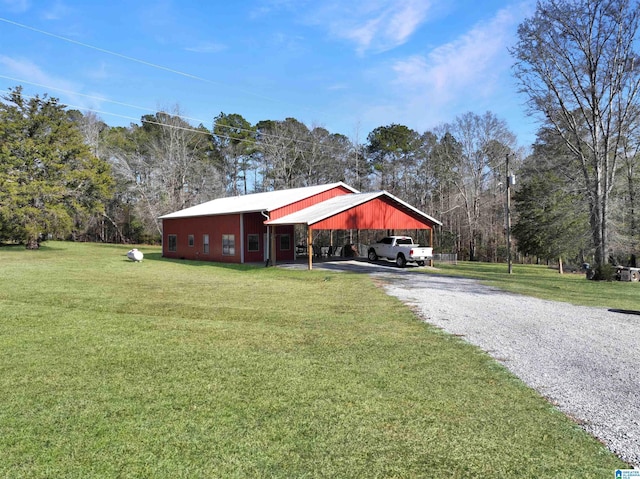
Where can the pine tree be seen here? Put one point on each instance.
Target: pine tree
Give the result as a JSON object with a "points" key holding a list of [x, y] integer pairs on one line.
{"points": [[50, 181]]}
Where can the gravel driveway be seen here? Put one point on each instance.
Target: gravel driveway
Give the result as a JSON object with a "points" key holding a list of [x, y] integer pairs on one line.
{"points": [[584, 360]]}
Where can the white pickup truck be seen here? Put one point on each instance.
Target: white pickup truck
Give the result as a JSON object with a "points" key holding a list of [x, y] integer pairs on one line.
{"points": [[400, 249]]}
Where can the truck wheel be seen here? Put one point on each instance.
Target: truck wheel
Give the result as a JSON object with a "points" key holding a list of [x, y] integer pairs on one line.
{"points": [[420, 263], [401, 261], [372, 255]]}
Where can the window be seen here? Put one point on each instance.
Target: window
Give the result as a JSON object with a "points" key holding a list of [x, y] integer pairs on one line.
{"points": [[253, 242], [285, 243], [191, 241], [173, 243], [205, 244], [229, 245]]}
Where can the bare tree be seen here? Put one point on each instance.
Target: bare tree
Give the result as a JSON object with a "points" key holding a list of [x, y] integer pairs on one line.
{"points": [[328, 157], [281, 148], [357, 169], [292, 155], [164, 165], [575, 60], [626, 221], [479, 138], [91, 126]]}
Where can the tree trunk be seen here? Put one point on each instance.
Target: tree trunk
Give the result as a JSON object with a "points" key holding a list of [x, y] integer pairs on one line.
{"points": [[598, 230], [32, 243], [560, 268]]}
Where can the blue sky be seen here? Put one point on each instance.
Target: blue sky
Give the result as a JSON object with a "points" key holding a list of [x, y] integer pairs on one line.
{"points": [[347, 65]]}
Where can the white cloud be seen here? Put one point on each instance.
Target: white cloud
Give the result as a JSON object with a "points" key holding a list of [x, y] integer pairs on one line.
{"points": [[206, 47], [35, 80], [16, 6], [465, 65], [24, 69], [406, 20], [371, 25], [465, 74], [362, 35], [338, 87], [391, 25], [57, 11], [268, 6], [286, 41], [425, 89]]}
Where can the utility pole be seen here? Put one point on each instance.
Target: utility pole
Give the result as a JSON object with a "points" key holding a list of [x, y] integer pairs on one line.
{"points": [[509, 217]]}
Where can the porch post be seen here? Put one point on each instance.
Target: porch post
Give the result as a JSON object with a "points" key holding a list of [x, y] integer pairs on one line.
{"points": [[310, 246], [431, 244]]}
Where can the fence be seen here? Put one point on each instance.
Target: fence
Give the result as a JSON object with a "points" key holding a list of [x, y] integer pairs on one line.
{"points": [[451, 258]]}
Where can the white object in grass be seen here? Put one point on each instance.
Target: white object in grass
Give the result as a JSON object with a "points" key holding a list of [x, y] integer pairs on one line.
{"points": [[135, 255]]}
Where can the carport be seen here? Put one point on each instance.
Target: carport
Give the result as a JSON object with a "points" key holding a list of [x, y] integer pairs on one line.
{"points": [[359, 211]]}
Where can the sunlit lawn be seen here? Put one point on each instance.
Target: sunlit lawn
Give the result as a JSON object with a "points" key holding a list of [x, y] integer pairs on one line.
{"points": [[544, 282], [175, 369]]}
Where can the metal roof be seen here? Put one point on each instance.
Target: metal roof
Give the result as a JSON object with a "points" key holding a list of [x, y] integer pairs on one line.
{"points": [[326, 209], [267, 201]]}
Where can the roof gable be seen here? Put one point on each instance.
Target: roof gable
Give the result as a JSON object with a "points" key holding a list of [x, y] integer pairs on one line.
{"points": [[267, 201], [340, 206]]}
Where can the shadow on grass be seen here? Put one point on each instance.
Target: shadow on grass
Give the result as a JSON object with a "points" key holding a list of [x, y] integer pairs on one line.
{"points": [[232, 266], [12, 247]]}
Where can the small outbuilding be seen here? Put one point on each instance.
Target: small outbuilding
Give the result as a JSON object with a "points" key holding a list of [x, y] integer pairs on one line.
{"points": [[259, 227]]}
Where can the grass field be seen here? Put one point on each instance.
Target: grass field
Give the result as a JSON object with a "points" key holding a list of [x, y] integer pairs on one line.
{"points": [[543, 282], [169, 369]]}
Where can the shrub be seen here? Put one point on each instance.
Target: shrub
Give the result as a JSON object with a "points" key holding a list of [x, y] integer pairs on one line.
{"points": [[604, 272]]}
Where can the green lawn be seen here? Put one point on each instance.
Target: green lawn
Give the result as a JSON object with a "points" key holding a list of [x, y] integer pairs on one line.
{"points": [[543, 282], [169, 369]]}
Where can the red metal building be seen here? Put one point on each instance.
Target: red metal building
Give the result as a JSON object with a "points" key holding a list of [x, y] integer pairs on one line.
{"points": [[252, 228]]}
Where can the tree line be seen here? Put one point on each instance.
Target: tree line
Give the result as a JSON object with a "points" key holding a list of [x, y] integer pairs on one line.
{"points": [[164, 164], [65, 173]]}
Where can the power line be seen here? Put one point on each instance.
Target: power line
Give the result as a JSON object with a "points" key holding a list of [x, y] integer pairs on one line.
{"points": [[93, 110], [190, 128], [186, 118], [101, 99], [146, 63], [133, 59], [71, 92], [108, 52]]}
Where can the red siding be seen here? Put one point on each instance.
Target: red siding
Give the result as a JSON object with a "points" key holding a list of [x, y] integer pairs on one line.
{"points": [[253, 224], [377, 214], [312, 200], [214, 226], [288, 254]]}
